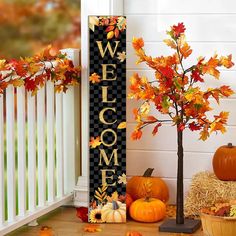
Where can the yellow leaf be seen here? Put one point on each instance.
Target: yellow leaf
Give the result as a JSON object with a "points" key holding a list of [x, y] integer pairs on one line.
{"points": [[2, 64], [204, 135], [17, 82], [170, 43], [122, 125], [110, 35]]}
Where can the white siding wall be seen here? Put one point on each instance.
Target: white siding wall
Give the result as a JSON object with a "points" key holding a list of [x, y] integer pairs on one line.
{"points": [[210, 27]]}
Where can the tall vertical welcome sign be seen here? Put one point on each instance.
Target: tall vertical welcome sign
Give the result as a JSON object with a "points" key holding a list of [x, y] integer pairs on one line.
{"points": [[107, 119]]}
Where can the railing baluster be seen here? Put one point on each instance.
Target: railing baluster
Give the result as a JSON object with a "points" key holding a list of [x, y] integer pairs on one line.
{"points": [[50, 142], [31, 151], [10, 137], [21, 139], [59, 146], [2, 197], [41, 147]]}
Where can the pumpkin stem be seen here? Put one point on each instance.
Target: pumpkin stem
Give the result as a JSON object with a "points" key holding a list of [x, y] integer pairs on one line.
{"points": [[148, 172], [115, 205], [147, 198], [230, 145]]}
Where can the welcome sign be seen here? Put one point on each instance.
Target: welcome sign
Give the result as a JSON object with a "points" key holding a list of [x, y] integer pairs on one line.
{"points": [[107, 119]]}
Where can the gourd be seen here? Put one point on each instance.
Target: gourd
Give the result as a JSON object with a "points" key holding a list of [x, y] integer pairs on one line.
{"points": [[114, 211], [159, 188], [224, 162]]}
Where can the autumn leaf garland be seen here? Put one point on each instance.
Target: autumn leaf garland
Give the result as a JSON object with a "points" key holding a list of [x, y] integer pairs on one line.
{"points": [[176, 91], [34, 72]]}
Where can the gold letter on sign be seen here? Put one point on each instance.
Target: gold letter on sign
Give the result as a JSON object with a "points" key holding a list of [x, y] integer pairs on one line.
{"points": [[105, 158], [105, 93], [101, 115], [105, 71], [107, 117], [103, 52]]}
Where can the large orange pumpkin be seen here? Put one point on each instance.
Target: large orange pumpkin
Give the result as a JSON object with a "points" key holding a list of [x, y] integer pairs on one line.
{"points": [[147, 210], [224, 162], [159, 188]]}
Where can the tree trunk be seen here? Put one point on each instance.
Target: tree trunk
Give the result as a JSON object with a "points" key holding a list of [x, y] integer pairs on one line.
{"points": [[180, 180]]}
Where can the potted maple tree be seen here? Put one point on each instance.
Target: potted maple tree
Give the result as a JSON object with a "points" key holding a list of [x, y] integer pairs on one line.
{"points": [[177, 93]]}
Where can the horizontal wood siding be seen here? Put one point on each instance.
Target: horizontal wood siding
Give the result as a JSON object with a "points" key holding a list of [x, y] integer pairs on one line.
{"points": [[210, 29]]}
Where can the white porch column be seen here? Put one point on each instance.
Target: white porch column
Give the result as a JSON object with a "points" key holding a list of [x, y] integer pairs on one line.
{"points": [[71, 128], [89, 7]]}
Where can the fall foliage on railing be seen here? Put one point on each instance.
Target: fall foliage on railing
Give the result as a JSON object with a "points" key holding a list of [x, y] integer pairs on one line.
{"points": [[34, 72], [176, 90]]}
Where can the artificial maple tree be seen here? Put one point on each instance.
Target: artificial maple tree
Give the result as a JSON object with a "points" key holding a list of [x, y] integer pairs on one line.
{"points": [[177, 93]]}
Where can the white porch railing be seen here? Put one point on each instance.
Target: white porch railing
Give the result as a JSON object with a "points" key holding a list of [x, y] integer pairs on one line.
{"points": [[38, 150]]}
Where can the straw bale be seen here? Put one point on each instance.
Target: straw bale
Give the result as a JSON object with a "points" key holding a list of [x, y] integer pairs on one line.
{"points": [[206, 190]]}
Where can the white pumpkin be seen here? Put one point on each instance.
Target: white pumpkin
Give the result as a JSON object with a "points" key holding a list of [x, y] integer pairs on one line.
{"points": [[114, 211]]}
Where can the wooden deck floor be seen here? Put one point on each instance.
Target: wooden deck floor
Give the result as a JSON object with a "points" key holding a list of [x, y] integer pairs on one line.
{"points": [[65, 223]]}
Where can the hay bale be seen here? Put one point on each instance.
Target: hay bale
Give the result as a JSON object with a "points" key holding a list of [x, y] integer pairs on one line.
{"points": [[205, 190]]}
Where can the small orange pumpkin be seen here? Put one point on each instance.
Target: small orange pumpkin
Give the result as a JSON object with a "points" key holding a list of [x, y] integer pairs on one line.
{"points": [[133, 233], [224, 162], [159, 188], [129, 201], [147, 210]]}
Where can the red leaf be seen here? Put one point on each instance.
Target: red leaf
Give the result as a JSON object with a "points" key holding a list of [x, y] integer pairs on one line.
{"points": [[155, 130], [196, 76], [181, 127], [167, 72], [110, 28], [151, 119], [82, 213], [178, 29], [30, 84], [117, 33], [193, 126]]}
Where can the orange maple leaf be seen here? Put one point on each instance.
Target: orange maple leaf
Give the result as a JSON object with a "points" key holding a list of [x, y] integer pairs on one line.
{"points": [[185, 50], [92, 228], [151, 119], [210, 67], [138, 43], [226, 91], [95, 78], [137, 134], [204, 135], [226, 61], [94, 142]]}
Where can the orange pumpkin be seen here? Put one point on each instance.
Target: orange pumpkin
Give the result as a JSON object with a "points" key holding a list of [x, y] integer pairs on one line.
{"points": [[45, 231], [224, 162], [159, 188], [128, 200], [133, 233], [147, 210]]}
